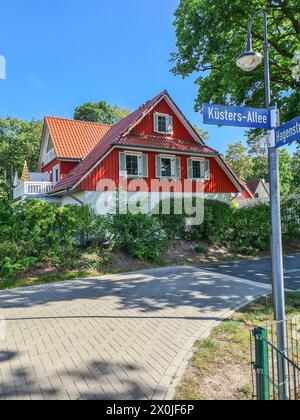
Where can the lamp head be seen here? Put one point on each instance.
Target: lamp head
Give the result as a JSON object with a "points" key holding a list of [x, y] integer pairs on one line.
{"points": [[249, 61]]}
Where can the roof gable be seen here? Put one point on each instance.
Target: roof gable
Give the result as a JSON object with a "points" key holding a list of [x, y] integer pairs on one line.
{"points": [[146, 126], [73, 139], [253, 185]]}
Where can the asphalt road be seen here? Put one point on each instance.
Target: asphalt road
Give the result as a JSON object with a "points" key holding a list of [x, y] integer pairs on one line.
{"points": [[259, 270]]}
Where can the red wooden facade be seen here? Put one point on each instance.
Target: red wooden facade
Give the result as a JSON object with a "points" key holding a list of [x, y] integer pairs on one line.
{"points": [[146, 126], [65, 168], [140, 124], [109, 169]]}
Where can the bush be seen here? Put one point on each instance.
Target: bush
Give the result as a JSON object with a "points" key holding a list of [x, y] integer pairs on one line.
{"points": [[37, 231], [9, 268], [290, 216], [217, 225], [251, 229], [173, 224], [48, 232], [140, 235], [200, 249]]}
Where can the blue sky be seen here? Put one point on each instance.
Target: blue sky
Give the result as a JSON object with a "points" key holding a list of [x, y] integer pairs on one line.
{"points": [[62, 53]]}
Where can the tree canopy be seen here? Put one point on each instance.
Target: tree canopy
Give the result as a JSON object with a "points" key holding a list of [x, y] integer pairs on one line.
{"points": [[237, 157], [251, 162], [19, 142], [100, 112], [211, 35]]}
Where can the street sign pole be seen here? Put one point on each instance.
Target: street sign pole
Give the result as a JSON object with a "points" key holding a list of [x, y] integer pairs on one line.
{"points": [[276, 241]]}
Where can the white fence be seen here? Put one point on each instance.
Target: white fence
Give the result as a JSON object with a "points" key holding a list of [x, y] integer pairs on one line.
{"points": [[32, 188]]}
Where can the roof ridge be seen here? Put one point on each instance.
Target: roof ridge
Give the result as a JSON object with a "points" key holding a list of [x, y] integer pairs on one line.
{"points": [[77, 121]]}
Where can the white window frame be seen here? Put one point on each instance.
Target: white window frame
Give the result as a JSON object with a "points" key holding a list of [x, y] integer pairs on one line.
{"points": [[56, 168], [172, 158], [201, 160], [140, 165], [166, 116]]}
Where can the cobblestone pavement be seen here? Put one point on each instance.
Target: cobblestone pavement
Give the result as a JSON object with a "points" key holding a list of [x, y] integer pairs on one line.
{"points": [[115, 337]]}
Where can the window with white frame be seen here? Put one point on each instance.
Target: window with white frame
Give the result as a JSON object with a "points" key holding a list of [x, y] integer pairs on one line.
{"points": [[168, 167], [56, 174], [133, 165], [163, 123], [199, 169]]}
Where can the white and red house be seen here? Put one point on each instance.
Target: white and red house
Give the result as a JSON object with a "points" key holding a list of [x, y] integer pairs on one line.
{"points": [[155, 142]]}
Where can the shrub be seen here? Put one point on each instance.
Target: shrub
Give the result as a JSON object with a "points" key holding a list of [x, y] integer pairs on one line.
{"points": [[290, 216], [9, 268], [173, 224], [140, 235], [217, 225], [251, 229], [200, 249]]}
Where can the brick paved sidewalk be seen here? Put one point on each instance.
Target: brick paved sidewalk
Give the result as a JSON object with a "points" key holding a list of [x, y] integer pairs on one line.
{"points": [[116, 337]]}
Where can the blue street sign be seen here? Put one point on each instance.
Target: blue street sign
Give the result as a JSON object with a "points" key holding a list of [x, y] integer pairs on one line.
{"points": [[237, 116], [288, 133]]}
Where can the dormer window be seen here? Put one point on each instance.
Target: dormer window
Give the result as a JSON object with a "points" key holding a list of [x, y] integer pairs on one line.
{"points": [[163, 123]]}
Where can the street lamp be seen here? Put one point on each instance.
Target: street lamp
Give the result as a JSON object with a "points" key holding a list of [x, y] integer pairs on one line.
{"points": [[248, 62]]}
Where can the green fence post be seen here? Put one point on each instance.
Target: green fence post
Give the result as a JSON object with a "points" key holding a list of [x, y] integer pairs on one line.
{"points": [[261, 364]]}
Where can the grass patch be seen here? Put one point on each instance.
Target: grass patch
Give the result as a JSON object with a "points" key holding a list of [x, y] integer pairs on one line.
{"points": [[51, 278], [220, 368]]}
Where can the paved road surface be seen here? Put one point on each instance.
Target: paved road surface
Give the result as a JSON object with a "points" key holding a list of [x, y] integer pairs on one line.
{"points": [[259, 270], [117, 337]]}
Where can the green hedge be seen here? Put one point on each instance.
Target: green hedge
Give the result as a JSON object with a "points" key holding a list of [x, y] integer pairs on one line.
{"points": [[39, 232]]}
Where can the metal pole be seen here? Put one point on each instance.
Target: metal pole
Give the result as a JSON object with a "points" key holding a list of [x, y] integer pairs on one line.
{"points": [[276, 242]]}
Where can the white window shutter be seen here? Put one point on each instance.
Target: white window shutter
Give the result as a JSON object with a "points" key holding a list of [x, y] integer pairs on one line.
{"points": [[169, 125], [158, 166], [122, 164], [178, 168], [207, 170], [140, 166], [173, 168], [190, 169], [145, 166], [155, 118], [202, 169]]}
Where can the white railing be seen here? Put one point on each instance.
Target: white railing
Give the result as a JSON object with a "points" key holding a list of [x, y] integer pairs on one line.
{"points": [[32, 188], [49, 156]]}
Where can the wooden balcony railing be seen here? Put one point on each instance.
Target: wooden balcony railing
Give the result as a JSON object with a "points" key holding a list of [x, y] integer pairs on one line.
{"points": [[32, 188]]}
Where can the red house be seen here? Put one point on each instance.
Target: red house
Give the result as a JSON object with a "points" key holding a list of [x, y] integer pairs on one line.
{"points": [[155, 142]]}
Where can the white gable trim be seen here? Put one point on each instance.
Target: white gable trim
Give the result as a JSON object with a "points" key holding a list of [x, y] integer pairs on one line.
{"points": [[229, 174], [44, 144], [184, 121], [178, 114]]}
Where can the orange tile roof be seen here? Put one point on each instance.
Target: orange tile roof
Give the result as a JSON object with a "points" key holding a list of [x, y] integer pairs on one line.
{"points": [[112, 135], [74, 139]]}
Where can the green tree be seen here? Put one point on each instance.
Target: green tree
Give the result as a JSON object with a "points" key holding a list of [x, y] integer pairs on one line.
{"points": [[258, 150], [100, 112], [286, 173], [210, 37], [236, 155], [202, 133], [295, 189], [19, 141]]}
